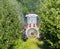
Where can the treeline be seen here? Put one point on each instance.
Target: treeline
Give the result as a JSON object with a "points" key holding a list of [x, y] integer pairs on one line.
{"points": [[12, 14]]}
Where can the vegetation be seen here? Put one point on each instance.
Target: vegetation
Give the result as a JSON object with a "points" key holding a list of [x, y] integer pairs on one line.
{"points": [[50, 24], [12, 14], [29, 44], [9, 23]]}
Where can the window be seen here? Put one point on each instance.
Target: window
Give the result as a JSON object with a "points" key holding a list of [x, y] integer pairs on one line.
{"points": [[31, 20]]}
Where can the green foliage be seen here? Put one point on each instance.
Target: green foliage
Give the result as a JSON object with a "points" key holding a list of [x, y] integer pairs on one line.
{"points": [[12, 13], [9, 23], [29, 6], [29, 44], [50, 24]]}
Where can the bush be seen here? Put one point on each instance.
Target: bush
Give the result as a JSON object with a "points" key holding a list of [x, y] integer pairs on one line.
{"points": [[29, 44], [50, 24], [9, 23]]}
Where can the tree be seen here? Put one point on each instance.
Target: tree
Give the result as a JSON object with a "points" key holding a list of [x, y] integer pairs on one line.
{"points": [[50, 24], [29, 6], [10, 21]]}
